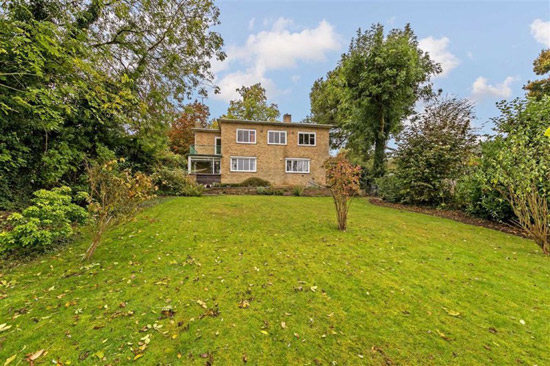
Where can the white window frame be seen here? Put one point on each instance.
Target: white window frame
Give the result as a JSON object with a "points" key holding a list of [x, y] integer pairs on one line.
{"points": [[297, 159], [279, 132], [243, 157], [307, 133], [249, 130]]}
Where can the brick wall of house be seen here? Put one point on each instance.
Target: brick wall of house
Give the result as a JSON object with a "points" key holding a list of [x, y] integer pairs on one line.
{"points": [[206, 138], [270, 163]]}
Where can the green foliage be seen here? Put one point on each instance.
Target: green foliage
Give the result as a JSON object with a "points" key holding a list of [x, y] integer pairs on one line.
{"points": [[252, 105], [47, 222], [77, 79], [373, 89], [476, 193], [269, 191], [433, 152], [389, 188], [174, 182], [255, 182], [297, 191], [522, 167], [541, 66]]}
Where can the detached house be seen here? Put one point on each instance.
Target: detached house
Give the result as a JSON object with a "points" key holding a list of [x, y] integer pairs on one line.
{"points": [[282, 153]]}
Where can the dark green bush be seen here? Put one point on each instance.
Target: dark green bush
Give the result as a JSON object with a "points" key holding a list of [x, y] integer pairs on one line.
{"points": [[174, 182], [389, 188], [255, 182], [49, 221], [476, 196], [270, 191]]}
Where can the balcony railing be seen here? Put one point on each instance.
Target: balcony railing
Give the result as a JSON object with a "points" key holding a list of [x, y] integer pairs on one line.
{"points": [[205, 150]]}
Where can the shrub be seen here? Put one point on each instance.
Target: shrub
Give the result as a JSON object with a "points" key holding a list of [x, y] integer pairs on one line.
{"points": [[47, 222], [343, 180], [475, 195], [433, 152], [255, 182], [298, 191], [174, 182], [389, 188], [115, 196], [269, 191]]}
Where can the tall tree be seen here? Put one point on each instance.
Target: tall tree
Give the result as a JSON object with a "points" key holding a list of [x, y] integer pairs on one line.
{"points": [[541, 66], [181, 134], [377, 83], [252, 105], [76, 79]]}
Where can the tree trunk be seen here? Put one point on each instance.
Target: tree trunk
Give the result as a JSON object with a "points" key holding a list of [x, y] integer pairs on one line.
{"points": [[379, 167]]}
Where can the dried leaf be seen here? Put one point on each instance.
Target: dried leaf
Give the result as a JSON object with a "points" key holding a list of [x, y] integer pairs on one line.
{"points": [[9, 360], [4, 327], [283, 325]]}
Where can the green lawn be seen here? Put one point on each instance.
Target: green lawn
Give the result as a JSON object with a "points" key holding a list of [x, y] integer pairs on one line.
{"points": [[270, 281]]}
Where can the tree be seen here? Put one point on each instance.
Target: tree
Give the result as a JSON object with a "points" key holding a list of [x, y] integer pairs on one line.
{"points": [[375, 87], [77, 79], [252, 105], [343, 181], [180, 134], [434, 150], [522, 167], [541, 66]]}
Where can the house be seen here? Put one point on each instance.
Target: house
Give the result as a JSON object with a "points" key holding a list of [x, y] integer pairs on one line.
{"points": [[282, 153]]}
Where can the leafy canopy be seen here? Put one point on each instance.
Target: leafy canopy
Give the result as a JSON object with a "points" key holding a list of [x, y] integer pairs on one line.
{"points": [[252, 105], [374, 88]]}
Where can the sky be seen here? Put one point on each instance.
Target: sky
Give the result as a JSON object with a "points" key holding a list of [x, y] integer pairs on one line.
{"points": [[486, 48]]}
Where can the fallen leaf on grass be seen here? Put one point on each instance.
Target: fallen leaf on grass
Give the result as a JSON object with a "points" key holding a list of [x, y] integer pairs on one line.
{"points": [[244, 304], [264, 332], [9, 360], [100, 354], [283, 325], [34, 356], [451, 312], [202, 304], [4, 327], [442, 335], [139, 355]]}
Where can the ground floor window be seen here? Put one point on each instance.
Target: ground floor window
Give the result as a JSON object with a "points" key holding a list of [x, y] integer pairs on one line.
{"points": [[295, 165], [243, 164], [204, 165]]}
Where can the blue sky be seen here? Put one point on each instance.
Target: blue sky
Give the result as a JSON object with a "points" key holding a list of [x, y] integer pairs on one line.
{"points": [[486, 47]]}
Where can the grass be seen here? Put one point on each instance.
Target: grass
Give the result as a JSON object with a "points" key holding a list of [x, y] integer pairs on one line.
{"points": [[269, 280]]}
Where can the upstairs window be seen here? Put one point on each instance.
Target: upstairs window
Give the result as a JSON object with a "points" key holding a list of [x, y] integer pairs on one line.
{"points": [[297, 166], [276, 137], [246, 136], [306, 138]]}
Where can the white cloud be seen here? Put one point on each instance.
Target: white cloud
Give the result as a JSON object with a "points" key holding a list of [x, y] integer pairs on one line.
{"points": [[481, 89], [541, 32], [295, 78], [251, 23], [437, 48], [281, 47]]}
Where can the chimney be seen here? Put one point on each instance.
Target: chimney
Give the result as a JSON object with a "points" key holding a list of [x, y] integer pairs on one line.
{"points": [[287, 118]]}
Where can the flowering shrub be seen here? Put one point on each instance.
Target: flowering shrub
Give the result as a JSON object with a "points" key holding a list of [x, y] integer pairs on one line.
{"points": [[47, 222], [343, 180]]}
